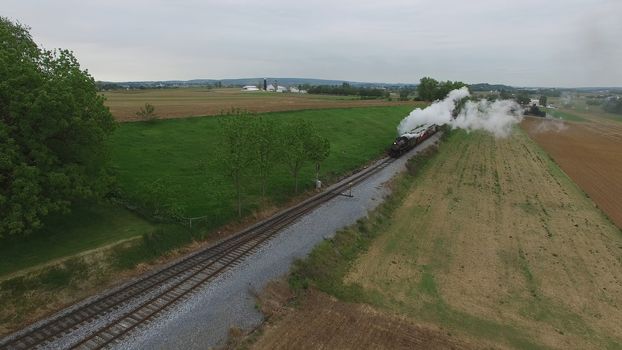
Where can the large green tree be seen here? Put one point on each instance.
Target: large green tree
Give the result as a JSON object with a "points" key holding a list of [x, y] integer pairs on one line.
{"points": [[301, 142], [294, 135], [317, 148], [238, 153], [53, 126], [429, 89], [266, 148]]}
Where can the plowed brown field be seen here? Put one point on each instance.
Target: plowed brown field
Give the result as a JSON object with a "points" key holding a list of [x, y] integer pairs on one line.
{"points": [[187, 102], [590, 153]]}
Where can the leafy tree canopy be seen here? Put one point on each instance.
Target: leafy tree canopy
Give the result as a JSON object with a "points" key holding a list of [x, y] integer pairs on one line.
{"points": [[430, 90], [53, 125]]}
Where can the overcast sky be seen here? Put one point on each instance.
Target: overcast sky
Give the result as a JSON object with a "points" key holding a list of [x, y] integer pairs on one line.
{"points": [[519, 42]]}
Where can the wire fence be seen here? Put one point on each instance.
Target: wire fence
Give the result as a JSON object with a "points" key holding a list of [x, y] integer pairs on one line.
{"points": [[191, 221]]}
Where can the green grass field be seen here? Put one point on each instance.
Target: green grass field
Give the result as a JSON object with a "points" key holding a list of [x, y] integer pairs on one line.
{"points": [[178, 160], [565, 115]]}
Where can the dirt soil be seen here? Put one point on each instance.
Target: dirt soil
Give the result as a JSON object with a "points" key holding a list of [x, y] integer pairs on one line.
{"points": [[495, 242], [181, 103], [322, 322], [590, 153]]}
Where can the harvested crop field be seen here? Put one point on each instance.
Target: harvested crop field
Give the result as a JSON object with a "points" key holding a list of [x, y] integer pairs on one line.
{"points": [[496, 242], [494, 245], [178, 103], [590, 153], [323, 322]]}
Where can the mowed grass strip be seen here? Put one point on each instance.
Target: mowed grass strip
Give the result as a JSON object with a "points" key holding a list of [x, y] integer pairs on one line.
{"points": [[88, 226], [178, 161], [565, 115]]}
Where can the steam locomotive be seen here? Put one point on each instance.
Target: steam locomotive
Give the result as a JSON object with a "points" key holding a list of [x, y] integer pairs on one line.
{"points": [[409, 140]]}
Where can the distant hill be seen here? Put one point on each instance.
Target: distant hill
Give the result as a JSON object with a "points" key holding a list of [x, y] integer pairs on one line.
{"points": [[491, 87], [247, 81], [484, 87]]}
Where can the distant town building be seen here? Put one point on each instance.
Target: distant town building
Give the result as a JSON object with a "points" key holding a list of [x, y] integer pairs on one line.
{"points": [[250, 88], [278, 88], [297, 90]]}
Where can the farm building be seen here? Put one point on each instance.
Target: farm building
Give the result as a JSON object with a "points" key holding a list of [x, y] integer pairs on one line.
{"points": [[250, 88], [278, 88], [297, 90]]}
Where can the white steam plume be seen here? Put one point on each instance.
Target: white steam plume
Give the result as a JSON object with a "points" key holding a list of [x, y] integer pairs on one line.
{"points": [[549, 125], [496, 117]]}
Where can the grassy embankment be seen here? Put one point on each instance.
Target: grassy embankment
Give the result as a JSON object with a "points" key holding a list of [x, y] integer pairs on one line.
{"points": [[89, 226], [489, 253]]}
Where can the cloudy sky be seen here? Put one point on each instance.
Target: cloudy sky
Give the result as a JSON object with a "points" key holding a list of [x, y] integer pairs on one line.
{"points": [[519, 42]]}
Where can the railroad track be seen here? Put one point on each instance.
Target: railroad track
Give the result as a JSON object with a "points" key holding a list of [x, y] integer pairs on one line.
{"points": [[144, 299]]}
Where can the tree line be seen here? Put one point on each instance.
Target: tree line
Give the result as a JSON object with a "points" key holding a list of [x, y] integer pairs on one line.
{"points": [[348, 90], [254, 145], [613, 105]]}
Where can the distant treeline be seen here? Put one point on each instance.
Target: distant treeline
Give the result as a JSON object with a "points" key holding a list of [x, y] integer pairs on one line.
{"points": [[613, 105], [549, 92], [346, 89], [107, 86], [609, 103]]}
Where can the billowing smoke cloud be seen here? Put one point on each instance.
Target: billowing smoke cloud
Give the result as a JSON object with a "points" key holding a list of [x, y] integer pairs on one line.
{"points": [[496, 117], [566, 99]]}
